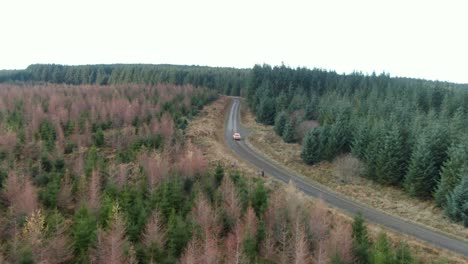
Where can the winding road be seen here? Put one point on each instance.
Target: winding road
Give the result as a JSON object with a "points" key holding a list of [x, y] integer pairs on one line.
{"points": [[336, 200]]}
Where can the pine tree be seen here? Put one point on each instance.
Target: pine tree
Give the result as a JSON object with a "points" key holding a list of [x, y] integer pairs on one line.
{"points": [[382, 252], [451, 172], [288, 132], [422, 174], [98, 138], [83, 233], [371, 151], [311, 147], [178, 235], [219, 174], [360, 240], [403, 254], [280, 123], [267, 111], [361, 138], [259, 199], [310, 110], [457, 202], [391, 158]]}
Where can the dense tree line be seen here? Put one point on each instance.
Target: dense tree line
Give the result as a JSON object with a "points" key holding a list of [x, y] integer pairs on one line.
{"points": [[228, 81], [410, 133]]}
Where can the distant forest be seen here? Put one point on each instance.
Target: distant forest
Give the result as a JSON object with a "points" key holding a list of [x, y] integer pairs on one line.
{"points": [[224, 80]]}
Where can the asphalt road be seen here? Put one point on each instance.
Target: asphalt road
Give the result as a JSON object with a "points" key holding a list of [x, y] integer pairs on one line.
{"points": [[336, 200]]}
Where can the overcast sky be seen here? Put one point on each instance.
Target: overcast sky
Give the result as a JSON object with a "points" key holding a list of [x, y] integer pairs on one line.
{"points": [[412, 38]]}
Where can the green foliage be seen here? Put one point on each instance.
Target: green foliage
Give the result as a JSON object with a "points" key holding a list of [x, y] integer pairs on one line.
{"points": [[48, 134], [26, 256], [382, 252], [310, 110], [390, 161], [83, 233], [105, 211], [250, 248], [280, 123], [266, 111], [259, 199], [361, 242], [289, 133], [151, 142], [422, 174], [94, 160], [403, 254], [453, 168], [179, 233], [135, 207], [219, 174], [48, 195], [457, 202], [242, 189], [169, 196], [336, 259], [3, 176], [98, 138], [311, 146], [361, 139]]}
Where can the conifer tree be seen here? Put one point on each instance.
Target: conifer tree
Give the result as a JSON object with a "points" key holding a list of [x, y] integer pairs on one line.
{"points": [[451, 172], [361, 138], [280, 122], [360, 240], [457, 202], [288, 132], [382, 252], [422, 174], [267, 111], [311, 147], [391, 158], [403, 254], [219, 174]]}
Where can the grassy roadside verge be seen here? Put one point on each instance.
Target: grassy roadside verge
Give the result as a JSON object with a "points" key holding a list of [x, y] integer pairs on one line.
{"points": [[207, 131]]}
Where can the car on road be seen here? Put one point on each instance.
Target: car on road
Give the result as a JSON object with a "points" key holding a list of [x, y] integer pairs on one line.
{"points": [[236, 136]]}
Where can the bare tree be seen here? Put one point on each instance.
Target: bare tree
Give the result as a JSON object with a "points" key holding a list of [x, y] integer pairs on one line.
{"points": [[341, 242], [155, 232], [111, 243], [191, 162], [233, 245], [33, 234], [319, 220], [250, 221], [230, 198], [300, 254], [21, 194], [156, 169], [58, 247], [348, 168], [190, 255]]}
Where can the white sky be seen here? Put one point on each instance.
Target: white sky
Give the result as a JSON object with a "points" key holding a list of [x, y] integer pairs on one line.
{"points": [[413, 38]]}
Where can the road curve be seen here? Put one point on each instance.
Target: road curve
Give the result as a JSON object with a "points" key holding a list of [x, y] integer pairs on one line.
{"points": [[336, 200]]}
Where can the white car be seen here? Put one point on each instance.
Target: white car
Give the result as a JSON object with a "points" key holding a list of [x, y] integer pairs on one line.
{"points": [[236, 136]]}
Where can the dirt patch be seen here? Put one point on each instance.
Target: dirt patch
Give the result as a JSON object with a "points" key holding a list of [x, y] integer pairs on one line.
{"points": [[207, 131]]}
